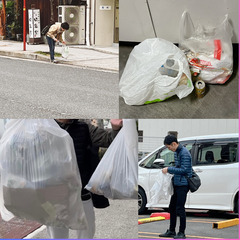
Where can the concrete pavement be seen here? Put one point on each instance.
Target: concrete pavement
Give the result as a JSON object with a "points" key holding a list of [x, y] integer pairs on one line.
{"points": [[119, 221], [91, 57]]}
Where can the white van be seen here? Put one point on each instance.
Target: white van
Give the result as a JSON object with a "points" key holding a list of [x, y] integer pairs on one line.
{"points": [[214, 158]]}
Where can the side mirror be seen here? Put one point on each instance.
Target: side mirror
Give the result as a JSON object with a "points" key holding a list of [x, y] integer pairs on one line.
{"points": [[159, 162]]}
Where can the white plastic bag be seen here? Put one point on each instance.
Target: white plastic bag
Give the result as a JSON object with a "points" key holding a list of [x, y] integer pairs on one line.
{"points": [[142, 81], [161, 189], [209, 50], [65, 51], [116, 174], [40, 179]]}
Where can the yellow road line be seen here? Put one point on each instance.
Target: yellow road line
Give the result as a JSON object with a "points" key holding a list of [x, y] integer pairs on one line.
{"points": [[199, 221], [186, 235]]}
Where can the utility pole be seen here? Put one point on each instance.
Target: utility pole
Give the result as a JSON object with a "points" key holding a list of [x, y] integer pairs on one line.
{"points": [[24, 25]]}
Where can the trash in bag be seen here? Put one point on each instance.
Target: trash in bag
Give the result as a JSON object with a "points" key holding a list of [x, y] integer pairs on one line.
{"points": [[40, 179], [156, 70], [65, 51], [161, 189], [116, 175], [208, 50]]}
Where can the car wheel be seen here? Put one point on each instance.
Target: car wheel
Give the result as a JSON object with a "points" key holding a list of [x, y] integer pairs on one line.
{"points": [[142, 201], [236, 208]]}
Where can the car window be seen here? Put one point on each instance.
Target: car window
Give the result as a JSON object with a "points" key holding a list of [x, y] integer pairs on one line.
{"points": [[217, 153], [165, 154], [148, 162], [168, 155]]}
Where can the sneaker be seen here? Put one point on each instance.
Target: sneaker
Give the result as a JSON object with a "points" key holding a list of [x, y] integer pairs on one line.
{"points": [[169, 234], [180, 235], [54, 61]]}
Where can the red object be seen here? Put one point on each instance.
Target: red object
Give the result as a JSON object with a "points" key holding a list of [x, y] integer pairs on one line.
{"points": [[161, 214], [218, 49], [24, 25]]}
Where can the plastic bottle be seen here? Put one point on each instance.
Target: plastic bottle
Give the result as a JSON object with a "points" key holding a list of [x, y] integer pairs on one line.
{"points": [[170, 68]]}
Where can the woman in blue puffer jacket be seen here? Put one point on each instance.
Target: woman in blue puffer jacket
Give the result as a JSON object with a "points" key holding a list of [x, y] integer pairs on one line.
{"points": [[183, 168]]}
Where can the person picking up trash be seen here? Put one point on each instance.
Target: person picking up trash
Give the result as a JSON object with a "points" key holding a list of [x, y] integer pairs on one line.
{"points": [[183, 167], [54, 35]]}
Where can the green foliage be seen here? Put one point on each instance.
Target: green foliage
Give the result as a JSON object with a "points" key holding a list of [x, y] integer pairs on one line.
{"points": [[48, 54], [13, 18]]}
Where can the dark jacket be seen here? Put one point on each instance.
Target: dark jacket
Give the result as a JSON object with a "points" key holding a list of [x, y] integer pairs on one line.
{"points": [[87, 138], [183, 166]]}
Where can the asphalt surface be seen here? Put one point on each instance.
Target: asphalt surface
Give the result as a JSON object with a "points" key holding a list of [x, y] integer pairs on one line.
{"points": [[199, 226], [33, 89], [119, 221]]}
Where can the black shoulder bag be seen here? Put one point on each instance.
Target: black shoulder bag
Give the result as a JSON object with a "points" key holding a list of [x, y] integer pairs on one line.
{"points": [[45, 29], [194, 182]]}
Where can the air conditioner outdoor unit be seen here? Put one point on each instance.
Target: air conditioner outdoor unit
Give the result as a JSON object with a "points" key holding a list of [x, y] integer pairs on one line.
{"points": [[75, 16]]}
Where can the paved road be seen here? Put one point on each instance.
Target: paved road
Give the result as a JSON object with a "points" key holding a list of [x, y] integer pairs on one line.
{"points": [[119, 221], [32, 89], [199, 225]]}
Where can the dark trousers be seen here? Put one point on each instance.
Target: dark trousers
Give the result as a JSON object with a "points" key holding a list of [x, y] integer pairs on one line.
{"points": [[176, 207], [51, 44]]}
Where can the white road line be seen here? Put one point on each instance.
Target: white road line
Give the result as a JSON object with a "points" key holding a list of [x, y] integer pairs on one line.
{"points": [[31, 235]]}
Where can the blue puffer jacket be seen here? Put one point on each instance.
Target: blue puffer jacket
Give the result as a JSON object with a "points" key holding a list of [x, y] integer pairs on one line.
{"points": [[183, 166]]}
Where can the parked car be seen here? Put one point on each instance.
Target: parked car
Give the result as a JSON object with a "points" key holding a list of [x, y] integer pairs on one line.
{"points": [[214, 158]]}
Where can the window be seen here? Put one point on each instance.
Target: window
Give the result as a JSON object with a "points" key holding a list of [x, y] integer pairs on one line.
{"points": [[148, 162], [217, 153], [168, 155], [140, 136], [165, 154]]}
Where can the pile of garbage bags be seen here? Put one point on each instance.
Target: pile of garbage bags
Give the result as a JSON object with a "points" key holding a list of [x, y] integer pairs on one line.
{"points": [[40, 179], [157, 69]]}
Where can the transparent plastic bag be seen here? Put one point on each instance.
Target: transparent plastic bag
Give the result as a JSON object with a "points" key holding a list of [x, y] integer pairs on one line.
{"points": [[116, 174], [39, 174], [143, 82], [208, 50], [161, 189], [65, 51]]}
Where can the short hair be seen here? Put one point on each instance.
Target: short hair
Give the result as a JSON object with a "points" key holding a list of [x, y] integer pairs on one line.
{"points": [[170, 139], [65, 25]]}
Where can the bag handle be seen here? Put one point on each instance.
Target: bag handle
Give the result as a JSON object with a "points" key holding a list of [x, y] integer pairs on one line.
{"points": [[186, 27]]}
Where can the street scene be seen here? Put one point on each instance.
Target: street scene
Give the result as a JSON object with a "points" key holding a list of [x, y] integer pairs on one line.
{"points": [[38, 89], [212, 149], [72, 75]]}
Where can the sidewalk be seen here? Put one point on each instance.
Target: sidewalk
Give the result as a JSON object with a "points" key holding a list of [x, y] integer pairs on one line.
{"points": [[91, 57]]}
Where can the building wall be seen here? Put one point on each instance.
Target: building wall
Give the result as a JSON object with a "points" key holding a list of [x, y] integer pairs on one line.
{"points": [[45, 10], [154, 130], [136, 25], [104, 22]]}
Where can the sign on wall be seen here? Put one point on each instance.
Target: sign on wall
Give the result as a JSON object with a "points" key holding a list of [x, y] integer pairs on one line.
{"points": [[34, 23]]}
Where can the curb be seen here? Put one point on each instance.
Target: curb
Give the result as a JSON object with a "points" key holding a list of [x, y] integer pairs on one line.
{"points": [[151, 219], [31, 56], [227, 223], [39, 57]]}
